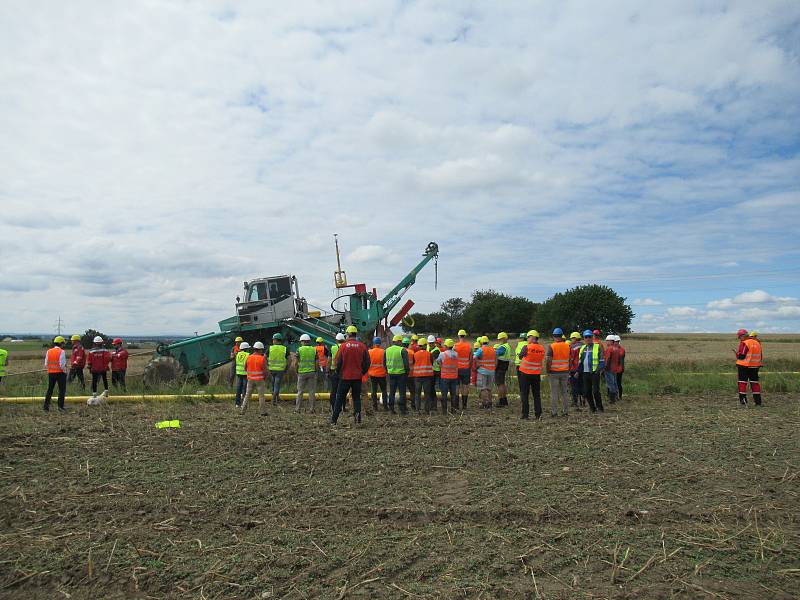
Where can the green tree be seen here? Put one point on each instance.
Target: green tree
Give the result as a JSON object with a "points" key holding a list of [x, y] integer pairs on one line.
{"points": [[87, 339], [490, 312], [585, 307], [453, 309]]}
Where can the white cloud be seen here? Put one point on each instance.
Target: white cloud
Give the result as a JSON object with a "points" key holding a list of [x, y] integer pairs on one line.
{"points": [[646, 302], [682, 311], [159, 153]]}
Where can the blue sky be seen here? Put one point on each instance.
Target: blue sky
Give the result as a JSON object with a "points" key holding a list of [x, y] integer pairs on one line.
{"points": [[155, 155]]}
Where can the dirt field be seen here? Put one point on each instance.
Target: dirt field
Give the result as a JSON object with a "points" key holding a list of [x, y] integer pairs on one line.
{"points": [[656, 498]]}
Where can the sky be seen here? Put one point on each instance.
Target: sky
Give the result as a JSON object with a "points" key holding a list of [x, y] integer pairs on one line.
{"points": [[154, 155]]}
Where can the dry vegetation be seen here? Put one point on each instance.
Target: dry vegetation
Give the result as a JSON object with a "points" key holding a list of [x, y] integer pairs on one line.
{"points": [[664, 495]]}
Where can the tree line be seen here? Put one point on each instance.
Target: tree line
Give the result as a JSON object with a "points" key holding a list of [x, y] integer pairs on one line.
{"points": [[489, 312]]}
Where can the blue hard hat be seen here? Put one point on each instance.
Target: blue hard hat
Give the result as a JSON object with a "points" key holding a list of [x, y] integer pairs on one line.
{"points": [[376, 340], [557, 331], [587, 333]]}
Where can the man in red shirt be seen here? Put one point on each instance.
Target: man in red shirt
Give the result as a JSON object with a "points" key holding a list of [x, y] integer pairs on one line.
{"points": [[77, 361], [119, 364], [612, 366], [98, 360], [621, 360], [352, 362]]}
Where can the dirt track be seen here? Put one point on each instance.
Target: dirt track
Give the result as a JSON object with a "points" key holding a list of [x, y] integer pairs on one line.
{"points": [[654, 498]]}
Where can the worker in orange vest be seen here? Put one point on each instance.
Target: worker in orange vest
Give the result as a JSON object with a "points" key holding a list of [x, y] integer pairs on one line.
{"points": [[556, 361], [323, 356], [463, 350], [530, 375], [486, 360], [449, 381], [749, 359], [423, 377], [377, 373], [256, 371], [55, 362]]}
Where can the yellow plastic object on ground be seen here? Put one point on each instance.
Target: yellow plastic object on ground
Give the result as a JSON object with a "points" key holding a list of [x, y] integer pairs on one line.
{"points": [[167, 424]]}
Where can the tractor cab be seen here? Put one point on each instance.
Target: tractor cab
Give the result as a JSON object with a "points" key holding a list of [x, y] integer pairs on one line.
{"points": [[270, 299]]}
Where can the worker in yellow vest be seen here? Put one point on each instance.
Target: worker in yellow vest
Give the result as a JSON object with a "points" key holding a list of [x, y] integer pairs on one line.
{"points": [[3, 363], [749, 359], [55, 362], [556, 361], [240, 362], [307, 367], [234, 351], [278, 362]]}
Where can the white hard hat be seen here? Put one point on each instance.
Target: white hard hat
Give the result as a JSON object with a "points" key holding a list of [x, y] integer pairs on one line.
{"points": [[340, 337], [617, 338], [431, 339], [97, 339], [258, 346], [305, 338], [610, 338], [244, 346]]}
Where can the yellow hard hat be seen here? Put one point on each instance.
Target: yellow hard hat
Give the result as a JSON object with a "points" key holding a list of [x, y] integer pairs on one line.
{"points": [[462, 333], [753, 334], [533, 333], [75, 338], [319, 340], [414, 336], [485, 339], [239, 339], [351, 329], [477, 344], [58, 340], [502, 335], [574, 335], [397, 338], [449, 343]]}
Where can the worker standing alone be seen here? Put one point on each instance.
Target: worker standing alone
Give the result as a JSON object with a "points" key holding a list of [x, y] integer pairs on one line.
{"points": [[77, 361], [119, 364], [556, 362], [307, 365], [256, 370], [463, 350], [352, 363], [277, 362], [530, 375], [55, 362], [749, 359], [98, 361], [241, 372]]}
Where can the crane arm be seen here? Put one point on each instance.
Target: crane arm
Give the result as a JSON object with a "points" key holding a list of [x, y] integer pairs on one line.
{"points": [[393, 297]]}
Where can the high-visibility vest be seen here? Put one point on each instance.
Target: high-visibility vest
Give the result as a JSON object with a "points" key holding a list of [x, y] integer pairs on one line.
{"points": [[410, 354], [394, 360], [305, 359], [323, 360], [464, 351], [560, 361], [488, 358], [3, 361], [437, 366], [277, 357], [531, 363], [54, 360], [449, 365], [520, 346], [595, 356], [334, 352], [376, 368], [241, 361], [254, 367], [506, 356], [422, 364], [753, 356]]}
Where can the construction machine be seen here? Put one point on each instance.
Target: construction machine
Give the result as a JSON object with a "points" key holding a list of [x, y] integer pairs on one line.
{"points": [[273, 305]]}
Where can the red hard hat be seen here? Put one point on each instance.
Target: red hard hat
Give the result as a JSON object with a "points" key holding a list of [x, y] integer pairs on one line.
{"points": [[438, 340], [116, 342], [741, 332], [596, 332]]}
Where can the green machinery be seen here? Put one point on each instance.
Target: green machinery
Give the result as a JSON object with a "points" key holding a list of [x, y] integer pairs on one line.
{"points": [[274, 305]]}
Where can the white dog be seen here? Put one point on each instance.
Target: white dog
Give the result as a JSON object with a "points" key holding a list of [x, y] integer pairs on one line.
{"points": [[96, 400]]}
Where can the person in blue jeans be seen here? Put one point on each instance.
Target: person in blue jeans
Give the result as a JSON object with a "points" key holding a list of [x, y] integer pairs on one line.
{"points": [[396, 363]]}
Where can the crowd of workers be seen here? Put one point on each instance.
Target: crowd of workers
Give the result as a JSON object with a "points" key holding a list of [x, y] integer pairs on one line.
{"points": [[414, 373], [428, 374]]}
